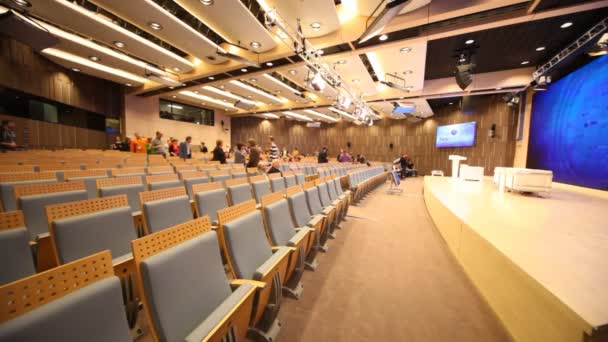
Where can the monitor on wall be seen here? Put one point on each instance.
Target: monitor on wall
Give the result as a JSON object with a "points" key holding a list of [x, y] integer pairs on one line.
{"points": [[456, 135]]}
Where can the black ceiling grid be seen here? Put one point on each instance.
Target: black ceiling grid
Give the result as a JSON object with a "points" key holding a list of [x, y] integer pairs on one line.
{"points": [[506, 47], [368, 67]]}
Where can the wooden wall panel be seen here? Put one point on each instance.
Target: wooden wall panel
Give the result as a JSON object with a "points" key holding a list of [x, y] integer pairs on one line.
{"points": [[25, 70], [416, 139]]}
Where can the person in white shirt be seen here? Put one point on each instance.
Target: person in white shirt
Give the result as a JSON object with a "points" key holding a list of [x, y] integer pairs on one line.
{"points": [[274, 149]]}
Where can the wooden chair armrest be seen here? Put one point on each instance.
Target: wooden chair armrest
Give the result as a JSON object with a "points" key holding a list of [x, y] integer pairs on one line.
{"points": [[257, 284]]}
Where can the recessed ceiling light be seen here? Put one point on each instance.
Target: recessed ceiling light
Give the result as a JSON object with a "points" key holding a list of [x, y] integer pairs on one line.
{"points": [[244, 70], [316, 26], [128, 84], [540, 48], [469, 42], [203, 103], [211, 78], [356, 80], [269, 64], [196, 91], [173, 96], [155, 26], [76, 69], [320, 52], [22, 3], [222, 86], [177, 69], [405, 49], [119, 44], [292, 72], [498, 88], [407, 72], [207, 2], [253, 80], [383, 37], [566, 24], [342, 61], [171, 87], [278, 91], [249, 96], [451, 103], [255, 45], [94, 58], [525, 62]]}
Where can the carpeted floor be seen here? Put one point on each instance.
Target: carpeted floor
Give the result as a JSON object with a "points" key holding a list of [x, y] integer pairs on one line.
{"points": [[389, 277]]}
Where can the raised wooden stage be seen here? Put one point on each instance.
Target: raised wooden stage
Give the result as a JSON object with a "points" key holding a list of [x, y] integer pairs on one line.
{"points": [[540, 262]]}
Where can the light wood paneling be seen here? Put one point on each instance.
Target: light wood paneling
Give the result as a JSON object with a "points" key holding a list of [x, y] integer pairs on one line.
{"points": [[416, 139]]}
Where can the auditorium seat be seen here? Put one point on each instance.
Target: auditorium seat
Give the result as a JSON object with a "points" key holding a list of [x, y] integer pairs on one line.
{"points": [[252, 171], [60, 169], [261, 186], [15, 251], [277, 183], [250, 256], [220, 176], [344, 197], [282, 232], [313, 200], [89, 177], [82, 228], [192, 178], [239, 173], [64, 305], [300, 178], [163, 181], [33, 199], [8, 181], [186, 292], [290, 179], [130, 186], [301, 215], [130, 172], [239, 190], [209, 198], [164, 208], [333, 197], [159, 170]]}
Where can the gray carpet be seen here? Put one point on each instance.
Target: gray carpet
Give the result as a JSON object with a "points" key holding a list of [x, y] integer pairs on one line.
{"points": [[389, 277]]}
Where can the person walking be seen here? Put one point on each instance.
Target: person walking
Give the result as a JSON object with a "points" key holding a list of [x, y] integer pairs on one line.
{"points": [[138, 144], [157, 144], [274, 149], [239, 155], [218, 152], [323, 155], [185, 152], [254, 154]]}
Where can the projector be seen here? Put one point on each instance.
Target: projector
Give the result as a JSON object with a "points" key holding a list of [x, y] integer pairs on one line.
{"points": [[244, 105], [403, 109]]}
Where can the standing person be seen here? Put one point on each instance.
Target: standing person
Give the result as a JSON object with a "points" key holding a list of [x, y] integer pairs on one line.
{"points": [[322, 158], [274, 149], [185, 152], [218, 152], [239, 156], [157, 144], [254, 154], [9, 137], [204, 148], [403, 164], [138, 144]]}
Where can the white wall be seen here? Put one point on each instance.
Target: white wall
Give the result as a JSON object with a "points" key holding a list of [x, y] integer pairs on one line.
{"points": [[142, 116]]}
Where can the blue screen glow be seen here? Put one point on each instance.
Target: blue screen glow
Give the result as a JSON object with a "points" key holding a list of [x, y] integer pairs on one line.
{"points": [[569, 127], [457, 135]]}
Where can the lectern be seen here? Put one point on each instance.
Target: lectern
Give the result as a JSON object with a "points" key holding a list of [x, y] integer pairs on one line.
{"points": [[456, 164]]}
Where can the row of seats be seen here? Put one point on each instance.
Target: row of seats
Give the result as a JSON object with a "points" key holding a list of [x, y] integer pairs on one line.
{"points": [[363, 181], [260, 245]]}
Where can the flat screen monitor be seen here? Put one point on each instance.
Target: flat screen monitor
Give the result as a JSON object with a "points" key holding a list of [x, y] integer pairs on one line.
{"points": [[457, 135]]}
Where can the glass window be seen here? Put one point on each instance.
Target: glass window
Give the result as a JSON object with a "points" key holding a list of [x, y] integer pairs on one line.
{"points": [[186, 113]]}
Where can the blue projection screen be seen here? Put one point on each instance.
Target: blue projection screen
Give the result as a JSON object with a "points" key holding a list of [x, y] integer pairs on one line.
{"points": [[457, 135], [569, 127]]}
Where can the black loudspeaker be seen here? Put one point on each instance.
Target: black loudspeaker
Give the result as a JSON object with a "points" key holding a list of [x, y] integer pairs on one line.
{"points": [[464, 75], [390, 146], [348, 144], [19, 28], [492, 131]]}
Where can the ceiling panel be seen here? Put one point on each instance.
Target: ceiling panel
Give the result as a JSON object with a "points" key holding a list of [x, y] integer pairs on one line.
{"points": [[88, 49], [422, 108], [298, 75], [231, 87], [69, 15], [308, 12], [507, 47], [408, 64], [275, 88], [174, 31], [232, 21], [366, 7], [545, 5], [354, 73]]}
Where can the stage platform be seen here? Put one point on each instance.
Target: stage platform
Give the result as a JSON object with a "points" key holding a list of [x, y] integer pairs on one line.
{"points": [[540, 262]]}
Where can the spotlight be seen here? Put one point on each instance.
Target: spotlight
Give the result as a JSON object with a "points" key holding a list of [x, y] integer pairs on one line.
{"points": [[464, 75], [511, 99], [383, 37], [317, 82]]}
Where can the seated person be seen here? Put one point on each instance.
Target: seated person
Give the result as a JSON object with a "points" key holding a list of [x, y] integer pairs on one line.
{"points": [[274, 167]]}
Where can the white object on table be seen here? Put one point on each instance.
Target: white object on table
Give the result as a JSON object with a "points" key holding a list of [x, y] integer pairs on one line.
{"points": [[471, 173], [456, 164]]}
